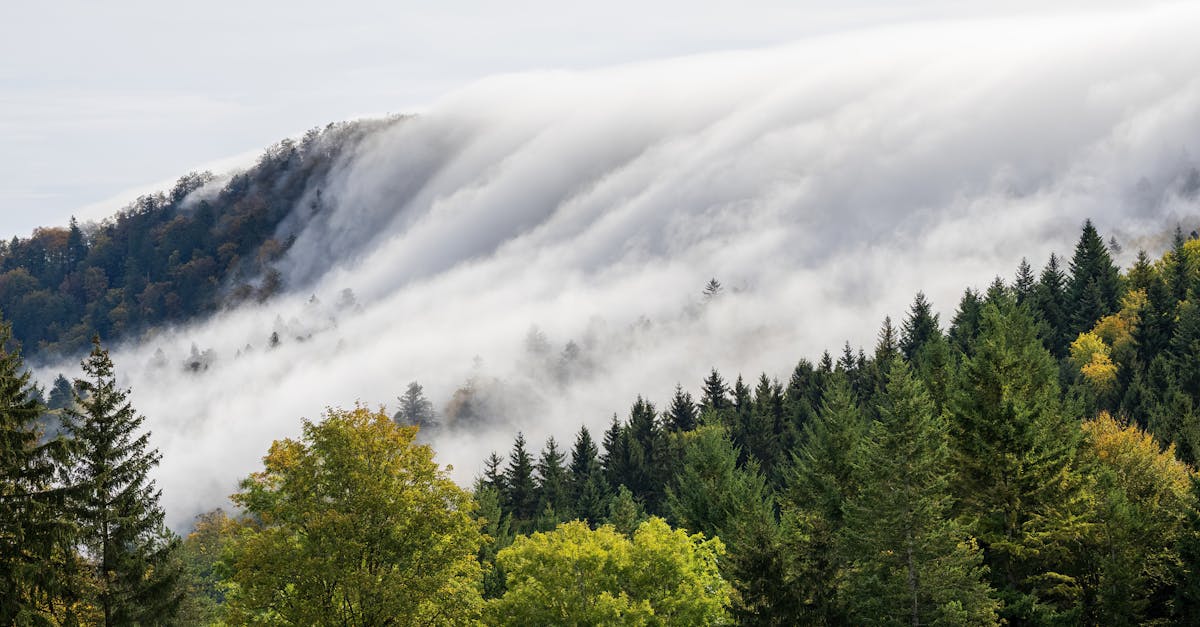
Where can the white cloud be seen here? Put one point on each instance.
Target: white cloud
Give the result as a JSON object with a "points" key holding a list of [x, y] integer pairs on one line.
{"points": [[823, 182]]}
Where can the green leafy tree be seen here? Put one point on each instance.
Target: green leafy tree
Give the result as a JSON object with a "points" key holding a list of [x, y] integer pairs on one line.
{"points": [[578, 576], [354, 524], [115, 503], [908, 562]]}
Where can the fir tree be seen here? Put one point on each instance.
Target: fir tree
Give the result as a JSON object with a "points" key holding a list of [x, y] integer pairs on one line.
{"points": [[589, 490], [35, 540], [1015, 448], [817, 485], [415, 409], [1024, 283], [520, 496], [1094, 285], [493, 473], [716, 392], [116, 508], [918, 328], [1050, 308], [552, 488], [965, 325], [1179, 271], [907, 561], [681, 415]]}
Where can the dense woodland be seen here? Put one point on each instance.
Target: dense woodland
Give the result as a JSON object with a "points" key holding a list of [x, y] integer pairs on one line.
{"points": [[1029, 463], [168, 256]]}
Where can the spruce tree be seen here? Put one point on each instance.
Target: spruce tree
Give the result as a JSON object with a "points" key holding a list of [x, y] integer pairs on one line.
{"points": [[35, 540], [1094, 285], [415, 409], [816, 487], [1024, 283], [1179, 270], [552, 488], [716, 392], [907, 561], [681, 415], [965, 324], [589, 490], [1051, 308], [919, 327], [520, 495], [1014, 446], [116, 504]]}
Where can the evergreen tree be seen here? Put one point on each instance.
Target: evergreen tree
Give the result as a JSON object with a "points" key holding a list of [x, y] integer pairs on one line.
{"points": [[552, 488], [1094, 286], [589, 491], [616, 457], [35, 540], [805, 390], [716, 392], [415, 409], [520, 495], [1179, 271], [1024, 283], [817, 485], [965, 325], [1051, 310], [1015, 448], [647, 455], [1141, 273], [919, 327], [681, 415], [713, 496], [493, 473], [907, 561], [116, 507]]}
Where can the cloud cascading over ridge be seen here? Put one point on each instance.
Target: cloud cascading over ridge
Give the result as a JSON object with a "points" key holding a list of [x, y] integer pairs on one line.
{"points": [[823, 183]]}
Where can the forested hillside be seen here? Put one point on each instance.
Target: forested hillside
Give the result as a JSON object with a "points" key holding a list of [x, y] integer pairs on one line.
{"points": [[1031, 462], [170, 256]]}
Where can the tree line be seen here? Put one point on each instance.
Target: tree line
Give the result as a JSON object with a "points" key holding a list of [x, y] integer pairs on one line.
{"points": [[1031, 464], [168, 257]]}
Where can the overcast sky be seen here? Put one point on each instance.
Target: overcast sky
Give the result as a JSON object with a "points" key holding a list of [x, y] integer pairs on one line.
{"points": [[100, 101]]}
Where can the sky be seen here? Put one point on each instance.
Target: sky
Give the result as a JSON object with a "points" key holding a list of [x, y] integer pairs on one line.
{"points": [[100, 102]]}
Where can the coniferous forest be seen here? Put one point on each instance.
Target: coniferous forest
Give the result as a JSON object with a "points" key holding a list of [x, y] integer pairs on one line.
{"points": [[1028, 462]]}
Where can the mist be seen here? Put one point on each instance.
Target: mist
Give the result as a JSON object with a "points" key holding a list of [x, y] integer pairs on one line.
{"points": [[823, 183]]}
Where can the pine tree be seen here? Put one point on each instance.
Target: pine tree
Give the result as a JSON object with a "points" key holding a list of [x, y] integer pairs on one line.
{"points": [[907, 561], [520, 496], [919, 327], [1094, 285], [1015, 446], [493, 473], [681, 415], [34, 538], [116, 508]]}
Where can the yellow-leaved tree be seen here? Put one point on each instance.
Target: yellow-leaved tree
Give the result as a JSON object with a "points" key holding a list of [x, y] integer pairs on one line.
{"points": [[1142, 496], [1091, 355], [575, 575], [353, 524]]}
